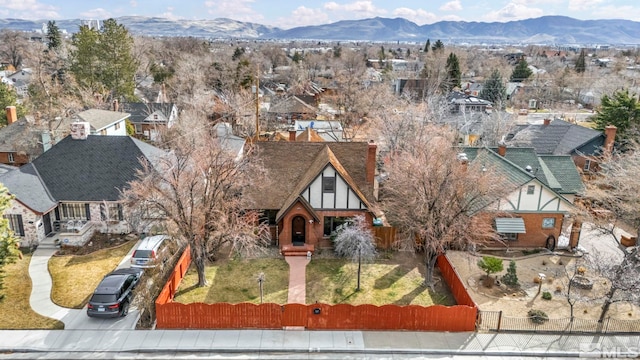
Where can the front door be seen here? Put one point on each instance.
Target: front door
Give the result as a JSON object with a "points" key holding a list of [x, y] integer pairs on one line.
{"points": [[46, 221], [298, 230]]}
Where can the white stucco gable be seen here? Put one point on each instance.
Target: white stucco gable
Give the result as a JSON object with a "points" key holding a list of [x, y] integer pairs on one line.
{"points": [[329, 190], [534, 196]]}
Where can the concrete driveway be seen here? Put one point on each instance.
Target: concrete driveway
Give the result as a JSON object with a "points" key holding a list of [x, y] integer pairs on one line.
{"points": [[77, 319]]}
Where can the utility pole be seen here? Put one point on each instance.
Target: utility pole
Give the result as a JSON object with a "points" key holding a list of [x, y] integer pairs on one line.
{"points": [[257, 102]]}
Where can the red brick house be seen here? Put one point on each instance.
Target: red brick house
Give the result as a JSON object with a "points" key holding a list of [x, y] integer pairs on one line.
{"points": [[314, 187]]}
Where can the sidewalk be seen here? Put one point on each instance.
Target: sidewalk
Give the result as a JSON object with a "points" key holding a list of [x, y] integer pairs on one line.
{"points": [[74, 343]]}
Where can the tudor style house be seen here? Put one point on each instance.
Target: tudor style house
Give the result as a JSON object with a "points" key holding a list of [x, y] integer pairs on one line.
{"points": [[313, 188], [74, 188], [537, 212]]}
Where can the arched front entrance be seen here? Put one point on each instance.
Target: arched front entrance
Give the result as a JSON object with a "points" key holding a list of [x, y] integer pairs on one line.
{"points": [[298, 231]]}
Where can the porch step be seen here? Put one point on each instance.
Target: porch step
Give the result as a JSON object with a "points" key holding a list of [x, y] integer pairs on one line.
{"points": [[294, 250]]}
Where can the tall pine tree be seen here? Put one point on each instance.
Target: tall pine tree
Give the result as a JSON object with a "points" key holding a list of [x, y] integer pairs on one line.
{"points": [[103, 60], [438, 46], [427, 46], [453, 73], [54, 39], [494, 90], [581, 65], [521, 71]]}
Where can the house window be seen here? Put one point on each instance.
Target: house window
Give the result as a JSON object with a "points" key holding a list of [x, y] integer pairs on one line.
{"points": [[103, 132], [548, 223], [11, 158], [138, 128], [111, 212], [15, 224], [531, 189], [269, 216], [509, 236], [155, 116], [75, 211], [117, 126], [587, 165], [329, 184], [332, 222]]}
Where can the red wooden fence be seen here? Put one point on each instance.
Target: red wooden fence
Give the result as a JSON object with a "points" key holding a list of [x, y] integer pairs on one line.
{"points": [[172, 315]]}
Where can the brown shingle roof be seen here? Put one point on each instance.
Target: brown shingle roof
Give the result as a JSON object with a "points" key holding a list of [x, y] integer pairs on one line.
{"points": [[291, 166], [309, 135]]}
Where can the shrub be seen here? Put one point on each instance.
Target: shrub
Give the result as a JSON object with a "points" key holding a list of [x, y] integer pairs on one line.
{"points": [[581, 270], [511, 278], [558, 288], [546, 295], [537, 280], [538, 316], [490, 265]]}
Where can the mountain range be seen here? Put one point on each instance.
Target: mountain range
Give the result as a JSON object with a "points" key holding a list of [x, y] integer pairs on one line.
{"points": [[542, 30]]}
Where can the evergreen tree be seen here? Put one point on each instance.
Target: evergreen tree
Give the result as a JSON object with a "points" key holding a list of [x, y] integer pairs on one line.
{"points": [[237, 53], [408, 53], [581, 65], [103, 60], [8, 242], [438, 46], [453, 73], [511, 277], [494, 90], [427, 46], [521, 71], [297, 57], [54, 39], [8, 97], [85, 61], [116, 51], [621, 110]]}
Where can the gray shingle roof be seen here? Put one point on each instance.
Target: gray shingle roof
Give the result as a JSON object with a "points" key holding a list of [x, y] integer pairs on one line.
{"points": [[557, 138], [100, 119], [93, 169], [140, 111], [26, 184]]}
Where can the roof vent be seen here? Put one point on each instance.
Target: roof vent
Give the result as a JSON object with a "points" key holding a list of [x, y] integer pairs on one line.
{"points": [[528, 168]]}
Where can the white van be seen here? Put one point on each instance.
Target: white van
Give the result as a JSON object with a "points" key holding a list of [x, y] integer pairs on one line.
{"points": [[148, 251]]}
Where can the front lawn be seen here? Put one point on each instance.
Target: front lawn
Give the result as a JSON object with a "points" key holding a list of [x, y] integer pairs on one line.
{"points": [[75, 277], [236, 281], [397, 280], [15, 311]]}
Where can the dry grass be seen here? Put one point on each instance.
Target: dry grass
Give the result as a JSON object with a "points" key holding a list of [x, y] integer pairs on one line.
{"points": [[76, 276], [15, 311], [333, 281], [236, 281]]}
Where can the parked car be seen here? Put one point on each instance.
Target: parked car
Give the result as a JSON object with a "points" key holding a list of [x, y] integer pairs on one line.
{"points": [[148, 251], [113, 295]]}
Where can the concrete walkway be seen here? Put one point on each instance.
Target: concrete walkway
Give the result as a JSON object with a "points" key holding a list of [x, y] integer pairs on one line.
{"points": [[277, 344], [40, 299], [297, 279]]}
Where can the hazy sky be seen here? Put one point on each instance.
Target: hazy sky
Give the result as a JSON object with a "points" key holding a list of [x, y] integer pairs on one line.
{"points": [[287, 13]]}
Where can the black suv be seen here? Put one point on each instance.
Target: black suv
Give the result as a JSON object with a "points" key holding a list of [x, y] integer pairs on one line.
{"points": [[114, 293]]}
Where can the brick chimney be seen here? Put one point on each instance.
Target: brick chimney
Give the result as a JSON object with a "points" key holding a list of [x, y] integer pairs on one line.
{"points": [[502, 149], [610, 138], [115, 105], [292, 134], [12, 116], [371, 161], [547, 122]]}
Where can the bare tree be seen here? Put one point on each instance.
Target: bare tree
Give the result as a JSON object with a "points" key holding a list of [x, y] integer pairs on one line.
{"points": [[570, 291], [614, 190], [623, 278], [13, 45], [198, 187], [432, 199], [355, 241]]}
